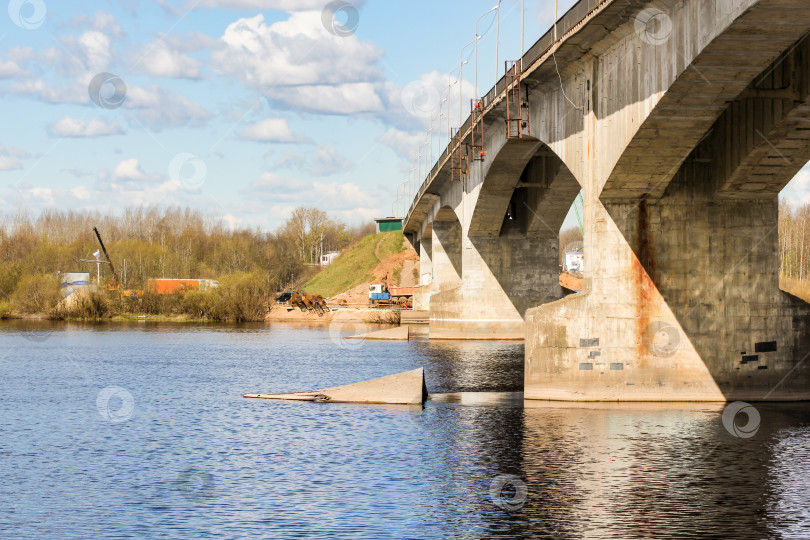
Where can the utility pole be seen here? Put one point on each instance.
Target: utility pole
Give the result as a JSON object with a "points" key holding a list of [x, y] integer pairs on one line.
{"points": [[555, 21], [522, 31]]}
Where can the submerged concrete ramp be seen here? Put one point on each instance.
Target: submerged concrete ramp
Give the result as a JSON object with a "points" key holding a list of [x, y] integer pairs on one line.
{"points": [[400, 333], [406, 388]]}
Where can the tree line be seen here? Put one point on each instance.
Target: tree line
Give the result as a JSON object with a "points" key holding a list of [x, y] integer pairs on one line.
{"points": [[794, 248], [152, 242]]}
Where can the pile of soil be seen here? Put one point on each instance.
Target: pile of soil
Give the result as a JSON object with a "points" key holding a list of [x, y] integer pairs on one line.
{"points": [[571, 282], [406, 261]]}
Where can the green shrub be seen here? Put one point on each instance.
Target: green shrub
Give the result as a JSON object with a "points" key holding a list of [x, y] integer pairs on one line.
{"points": [[37, 293], [200, 303], [241, 297], [161, 304], [84, 304]]}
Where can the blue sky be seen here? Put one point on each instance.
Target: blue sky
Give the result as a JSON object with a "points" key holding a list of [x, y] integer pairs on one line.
{"points": [[242, 108]]}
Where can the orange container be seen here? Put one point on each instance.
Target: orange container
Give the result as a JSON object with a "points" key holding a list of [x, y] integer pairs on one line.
{"points": [[402, 291], [172, 286]]}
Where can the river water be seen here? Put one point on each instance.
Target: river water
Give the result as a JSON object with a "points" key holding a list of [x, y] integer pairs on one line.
{"points": [[139, 430]]}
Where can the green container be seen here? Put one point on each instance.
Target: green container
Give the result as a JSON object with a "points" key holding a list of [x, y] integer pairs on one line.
{"points": [[389, 224]]}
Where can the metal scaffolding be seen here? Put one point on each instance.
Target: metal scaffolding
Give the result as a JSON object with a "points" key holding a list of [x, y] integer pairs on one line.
{"points": [[477, 124], [458, 159], [517, 105]]}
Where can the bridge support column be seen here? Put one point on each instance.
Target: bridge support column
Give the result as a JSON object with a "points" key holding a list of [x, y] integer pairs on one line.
{"points": [[421, 298], [682, 303], [446, 292], [502, 277]]}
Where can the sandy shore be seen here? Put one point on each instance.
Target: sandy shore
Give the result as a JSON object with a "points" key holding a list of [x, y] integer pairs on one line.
{"points": [[282, 314]]}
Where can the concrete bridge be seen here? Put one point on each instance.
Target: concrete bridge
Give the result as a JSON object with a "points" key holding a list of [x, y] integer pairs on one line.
{"points": [[681, 120]]}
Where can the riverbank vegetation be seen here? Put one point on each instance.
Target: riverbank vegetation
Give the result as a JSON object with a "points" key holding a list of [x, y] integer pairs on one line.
{"points": [[145, 243], [794, 249]]}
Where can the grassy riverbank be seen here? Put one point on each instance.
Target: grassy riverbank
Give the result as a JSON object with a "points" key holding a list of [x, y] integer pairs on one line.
{"points": [[356, 264]]}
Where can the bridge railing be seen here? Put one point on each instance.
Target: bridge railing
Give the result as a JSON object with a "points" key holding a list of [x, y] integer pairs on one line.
{"points": [[572, 18]]}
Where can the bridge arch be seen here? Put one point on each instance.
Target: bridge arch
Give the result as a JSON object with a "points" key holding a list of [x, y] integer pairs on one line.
{"points": [[527, 190], [693, 86]]}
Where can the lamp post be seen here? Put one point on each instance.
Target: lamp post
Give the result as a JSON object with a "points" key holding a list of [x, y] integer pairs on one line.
{"points": [[477, 37], [430, 136], [522, 31], [423, 145], [461, 63], [555, 21], [497, 42], [449, 92], [439, 121], [405, 204]]}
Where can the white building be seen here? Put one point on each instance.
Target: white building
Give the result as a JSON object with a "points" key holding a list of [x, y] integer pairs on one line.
{"points": [[575, 261], [329, 258]]}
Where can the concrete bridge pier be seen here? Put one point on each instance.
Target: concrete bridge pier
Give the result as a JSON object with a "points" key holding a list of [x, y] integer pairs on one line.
{"points": [[482, 286], [674, 313], [467, 302], [682, 298]]}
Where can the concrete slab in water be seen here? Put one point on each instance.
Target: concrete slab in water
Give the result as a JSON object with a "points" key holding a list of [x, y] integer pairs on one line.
{"points": [[406, 388], [399, 333]]}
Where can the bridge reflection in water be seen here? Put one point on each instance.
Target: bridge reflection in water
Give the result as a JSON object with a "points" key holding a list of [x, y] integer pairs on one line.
{"points": [[626, 470]]}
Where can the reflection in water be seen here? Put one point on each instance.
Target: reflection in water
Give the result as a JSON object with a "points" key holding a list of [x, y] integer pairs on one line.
{"points": [[472, 366], [192, 458]]}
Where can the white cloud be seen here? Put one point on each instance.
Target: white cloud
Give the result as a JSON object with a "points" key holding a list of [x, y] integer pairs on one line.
{"points": [[8, 163], [324, 162], [344, 196], [82, 193], [262, 5], [327, 161], [341, 99], [76, 127], [76, 172], [159, 60], [328, 196], [9, 158], [403, 143], [9, 69], [101, 21], [129, 169], [276, 185], [158, 109], [127, 174], [338, 75], [168, 56], [77, 57], [270, 130], [49, 93], [114, 195]]}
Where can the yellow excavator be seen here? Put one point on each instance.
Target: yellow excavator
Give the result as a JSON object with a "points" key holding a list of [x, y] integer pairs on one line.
{"points": [[313, 303]]}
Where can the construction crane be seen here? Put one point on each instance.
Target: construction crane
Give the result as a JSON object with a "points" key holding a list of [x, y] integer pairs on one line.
{"points": [[579, 209], [116, 282]]}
